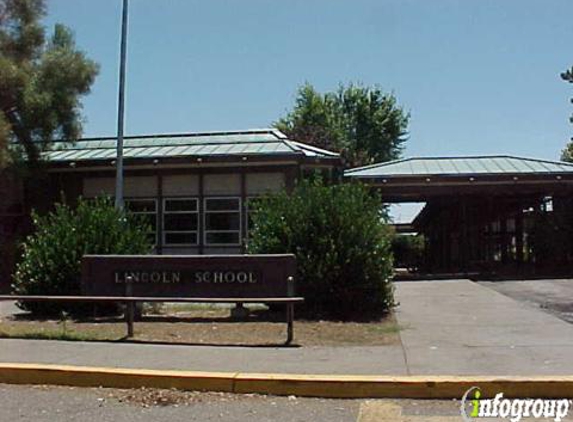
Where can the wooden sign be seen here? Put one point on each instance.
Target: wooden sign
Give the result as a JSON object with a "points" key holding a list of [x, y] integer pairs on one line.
{"points": [[188, 276]]}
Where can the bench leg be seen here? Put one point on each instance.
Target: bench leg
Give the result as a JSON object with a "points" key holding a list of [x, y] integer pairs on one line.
{"points": [[290, 322], [130, 317]]}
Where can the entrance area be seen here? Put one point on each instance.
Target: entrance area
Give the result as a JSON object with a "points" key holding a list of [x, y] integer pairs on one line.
{"points": [[496, 215], [497, 234]]}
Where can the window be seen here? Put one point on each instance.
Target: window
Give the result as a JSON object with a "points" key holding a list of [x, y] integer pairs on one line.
{"points": [[147, 208], [222, 221], [180, 221]]}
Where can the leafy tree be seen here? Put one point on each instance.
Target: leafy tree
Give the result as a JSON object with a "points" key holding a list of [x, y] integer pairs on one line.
{"points": [[342, 244], [567, 153], [363, 123], [51, 261], [41, 80]]}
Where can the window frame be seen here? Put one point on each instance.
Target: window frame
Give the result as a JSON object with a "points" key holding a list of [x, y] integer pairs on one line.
{"points": [[238, 211], [164, 231]]}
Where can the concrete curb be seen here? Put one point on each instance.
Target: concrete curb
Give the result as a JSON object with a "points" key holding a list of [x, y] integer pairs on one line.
{"points": [[331, 386]]}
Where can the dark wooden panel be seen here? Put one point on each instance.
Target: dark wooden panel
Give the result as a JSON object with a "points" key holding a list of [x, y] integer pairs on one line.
{"points": [[206, 276]]}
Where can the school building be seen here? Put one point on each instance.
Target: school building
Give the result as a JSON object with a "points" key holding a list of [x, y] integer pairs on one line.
{"points": [[194, 189], [483, 215]]}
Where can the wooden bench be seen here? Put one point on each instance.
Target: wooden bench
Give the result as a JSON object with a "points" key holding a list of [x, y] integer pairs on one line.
{"points": [[268, 279], [131, 302]]}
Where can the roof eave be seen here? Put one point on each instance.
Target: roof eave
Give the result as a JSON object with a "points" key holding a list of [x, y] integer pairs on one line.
{"points": [[298, 157]]}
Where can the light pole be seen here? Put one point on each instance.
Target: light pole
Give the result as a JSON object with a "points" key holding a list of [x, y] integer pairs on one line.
{"points": [[121, 110]]}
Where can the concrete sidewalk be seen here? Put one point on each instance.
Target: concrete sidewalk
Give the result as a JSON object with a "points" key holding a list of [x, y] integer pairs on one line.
{"points": [[312, 360], [8, 309], [449, 328], [461, 327]]}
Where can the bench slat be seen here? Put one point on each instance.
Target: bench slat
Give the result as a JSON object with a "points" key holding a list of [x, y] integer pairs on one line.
{"points": [[152, 299]]}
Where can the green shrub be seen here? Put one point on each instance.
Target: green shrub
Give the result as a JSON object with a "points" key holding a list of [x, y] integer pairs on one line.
{"points": [[408, 251], [342, 244], [51, 261]]}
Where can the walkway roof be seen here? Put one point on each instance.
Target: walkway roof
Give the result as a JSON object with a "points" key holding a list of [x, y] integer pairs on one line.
{"points": [[420, 179], [238, 144], [460, 166]]}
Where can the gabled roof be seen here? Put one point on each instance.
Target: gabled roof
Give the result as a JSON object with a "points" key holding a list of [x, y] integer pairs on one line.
{"points": [[260, 142], [460, 166]]}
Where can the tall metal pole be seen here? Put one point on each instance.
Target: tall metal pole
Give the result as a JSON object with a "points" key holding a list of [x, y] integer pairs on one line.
{"points": [[121, 110]]}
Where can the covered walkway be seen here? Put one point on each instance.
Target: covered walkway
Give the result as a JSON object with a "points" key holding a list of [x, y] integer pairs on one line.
{"points": [[488, 214]]}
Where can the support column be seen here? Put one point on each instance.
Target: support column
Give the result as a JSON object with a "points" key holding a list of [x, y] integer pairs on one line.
{"points": [[201, 231], [159, 222], [464, 252], [243, 222], [489, 241], [445, 242], [292, 174], [504, 238], [519, 231]]}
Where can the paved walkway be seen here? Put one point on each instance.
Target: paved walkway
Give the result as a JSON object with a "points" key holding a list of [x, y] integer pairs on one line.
{"points": [[449, 328], [313, 360], [8, 309], [460, 327]]}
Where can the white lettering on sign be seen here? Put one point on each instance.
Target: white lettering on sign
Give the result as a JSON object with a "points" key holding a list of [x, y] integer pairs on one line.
{"points": [[155, 277], [225, 277], [174, 277]]}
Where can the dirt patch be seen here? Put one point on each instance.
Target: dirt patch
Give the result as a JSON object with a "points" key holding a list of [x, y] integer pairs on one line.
{"points": [[150, 397], [208, 326]]}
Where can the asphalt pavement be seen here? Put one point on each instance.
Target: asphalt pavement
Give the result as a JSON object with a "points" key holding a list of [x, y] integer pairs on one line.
{"points": [[48, 404], [554, 296]]}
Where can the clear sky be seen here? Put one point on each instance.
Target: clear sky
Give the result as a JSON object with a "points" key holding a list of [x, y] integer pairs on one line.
{"points": [[478, 76]]}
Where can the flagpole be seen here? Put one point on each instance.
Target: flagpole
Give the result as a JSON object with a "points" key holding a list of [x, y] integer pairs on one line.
{"points": [[121, 110]]}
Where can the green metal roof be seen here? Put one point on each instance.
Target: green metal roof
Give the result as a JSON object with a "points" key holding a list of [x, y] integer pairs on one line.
{"points": [[460, 166], [252, 143]]}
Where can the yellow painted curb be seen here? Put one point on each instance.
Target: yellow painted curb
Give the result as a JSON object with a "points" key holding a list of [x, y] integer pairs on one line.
{"points": [[85, 376], [333, 386], [415, 387]]}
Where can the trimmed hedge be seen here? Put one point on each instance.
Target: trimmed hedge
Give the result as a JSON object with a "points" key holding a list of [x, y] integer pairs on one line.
{"points": [[342, 244], [51, 261]]}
